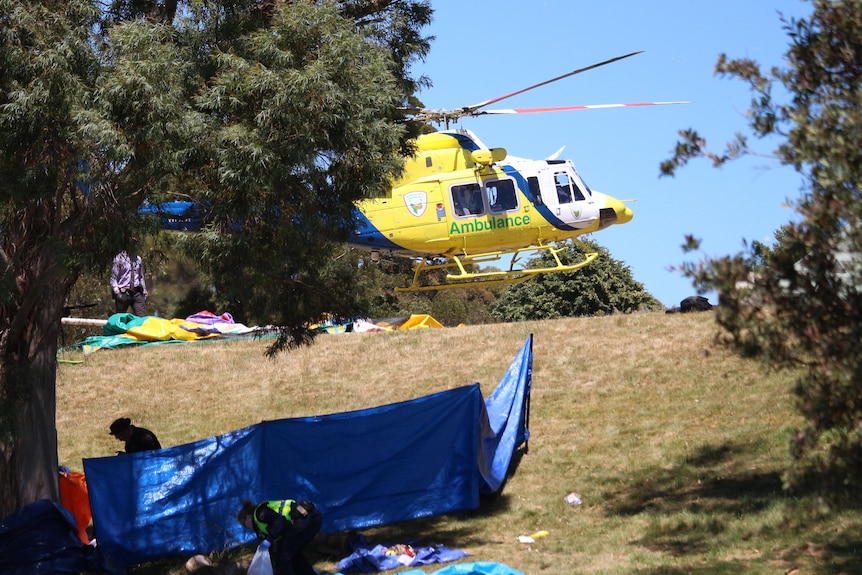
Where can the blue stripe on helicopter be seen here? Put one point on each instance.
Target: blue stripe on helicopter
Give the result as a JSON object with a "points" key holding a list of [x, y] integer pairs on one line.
{"points": [[464, 141], [541, 207], [368, 235]]}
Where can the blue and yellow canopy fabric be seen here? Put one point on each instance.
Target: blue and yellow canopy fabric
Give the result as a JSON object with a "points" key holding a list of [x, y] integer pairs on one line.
{"points": [[122, 329], [128, 329], [181, 501]]}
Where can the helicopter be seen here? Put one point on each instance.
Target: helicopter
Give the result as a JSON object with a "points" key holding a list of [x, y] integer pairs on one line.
{"points": [[460, 204]]}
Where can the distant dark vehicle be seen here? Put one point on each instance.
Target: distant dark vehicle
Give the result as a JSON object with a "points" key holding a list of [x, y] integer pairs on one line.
{"points": [[695, 303], [692, 303]]}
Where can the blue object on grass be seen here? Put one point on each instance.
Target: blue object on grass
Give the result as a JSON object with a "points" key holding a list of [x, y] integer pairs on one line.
{"points": [[367, 558], [42, 539], [418, 458]]}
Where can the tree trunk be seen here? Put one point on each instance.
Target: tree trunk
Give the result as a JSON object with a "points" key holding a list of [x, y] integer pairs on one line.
{"points": [[28, 466]]}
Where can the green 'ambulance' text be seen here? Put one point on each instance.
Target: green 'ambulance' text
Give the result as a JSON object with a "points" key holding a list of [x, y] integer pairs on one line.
{"points": [[491, 224]]}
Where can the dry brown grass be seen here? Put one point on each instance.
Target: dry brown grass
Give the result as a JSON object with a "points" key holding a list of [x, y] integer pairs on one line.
{"points": [[674, 444]]}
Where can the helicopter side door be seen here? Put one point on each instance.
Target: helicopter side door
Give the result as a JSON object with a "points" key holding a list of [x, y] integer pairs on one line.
{"points": [[492, 196], [566, 196], [487, 214]]}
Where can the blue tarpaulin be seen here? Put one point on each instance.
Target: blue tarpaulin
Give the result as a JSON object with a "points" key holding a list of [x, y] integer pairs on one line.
{"points": [[475, 568], [417, 458], [176, 215], [42, 539]]}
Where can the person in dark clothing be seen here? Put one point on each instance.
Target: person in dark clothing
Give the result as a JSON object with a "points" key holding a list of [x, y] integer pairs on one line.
{"points": [[288, 526], [136, 438], [128, 287]]}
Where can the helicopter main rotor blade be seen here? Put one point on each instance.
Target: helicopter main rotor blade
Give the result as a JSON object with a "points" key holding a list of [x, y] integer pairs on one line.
{"points": [[471, 109], [568, 108]]}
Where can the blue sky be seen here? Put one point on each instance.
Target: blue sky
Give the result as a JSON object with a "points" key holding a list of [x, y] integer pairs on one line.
{"points": [[488, 48]]}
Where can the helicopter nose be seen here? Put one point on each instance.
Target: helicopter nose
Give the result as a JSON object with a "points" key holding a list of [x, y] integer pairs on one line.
{"points": [[614, 212], [624, 213]]}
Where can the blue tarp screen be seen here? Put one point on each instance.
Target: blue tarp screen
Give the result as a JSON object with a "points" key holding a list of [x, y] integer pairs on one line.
{"points": [[42, 539], [417, 458]]}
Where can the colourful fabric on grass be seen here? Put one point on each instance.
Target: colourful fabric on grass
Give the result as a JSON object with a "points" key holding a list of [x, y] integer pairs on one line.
{"points": [[369, 558], [123, 329]]}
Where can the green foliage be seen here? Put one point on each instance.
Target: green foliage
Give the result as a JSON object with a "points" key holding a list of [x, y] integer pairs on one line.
{"points": [[603, 287], [798, 304], [295, 112], [276, 116]]}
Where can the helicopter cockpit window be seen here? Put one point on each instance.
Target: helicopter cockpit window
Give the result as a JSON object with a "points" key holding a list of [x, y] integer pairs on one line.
{"points": [[501, 195], [467, 200], [565, 187]]}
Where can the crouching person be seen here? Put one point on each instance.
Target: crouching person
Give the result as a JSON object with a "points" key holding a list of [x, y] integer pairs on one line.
{"points": [[287, 526]]}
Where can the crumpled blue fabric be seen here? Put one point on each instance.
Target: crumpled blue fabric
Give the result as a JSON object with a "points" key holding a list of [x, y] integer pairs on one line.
{"points": [[367, 558], [42, 539], [477, 568]]}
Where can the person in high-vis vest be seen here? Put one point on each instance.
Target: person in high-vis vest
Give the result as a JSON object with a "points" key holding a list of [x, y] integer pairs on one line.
{"points": [[288, 526]]}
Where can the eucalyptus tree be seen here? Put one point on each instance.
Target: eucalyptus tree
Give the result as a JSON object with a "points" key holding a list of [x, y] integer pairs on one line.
{"points": [[603, 287], [274, 116], [800, 307]]}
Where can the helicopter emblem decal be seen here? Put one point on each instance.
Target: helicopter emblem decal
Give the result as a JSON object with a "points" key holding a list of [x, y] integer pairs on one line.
{"points": [[416, 203]]}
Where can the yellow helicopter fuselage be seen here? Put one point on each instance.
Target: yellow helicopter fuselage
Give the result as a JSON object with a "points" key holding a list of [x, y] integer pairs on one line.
{"points": [[462, 201]]}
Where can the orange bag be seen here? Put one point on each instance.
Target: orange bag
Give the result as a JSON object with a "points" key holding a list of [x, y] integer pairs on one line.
{"points": [[75, 498]]}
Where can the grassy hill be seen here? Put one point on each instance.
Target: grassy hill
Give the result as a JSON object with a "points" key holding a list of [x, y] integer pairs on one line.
{"points": [[675, 445]]}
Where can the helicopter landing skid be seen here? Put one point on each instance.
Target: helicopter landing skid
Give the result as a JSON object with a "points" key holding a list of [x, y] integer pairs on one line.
{"points": [[514, 274]]}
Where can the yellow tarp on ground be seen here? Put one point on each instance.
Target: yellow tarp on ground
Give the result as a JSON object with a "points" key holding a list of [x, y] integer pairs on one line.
{"points": [[415, 321], [160, 329]]}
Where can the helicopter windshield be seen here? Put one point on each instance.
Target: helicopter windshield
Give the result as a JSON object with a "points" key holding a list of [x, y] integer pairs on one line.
{"points": [[583, 183], [567, 188]]}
